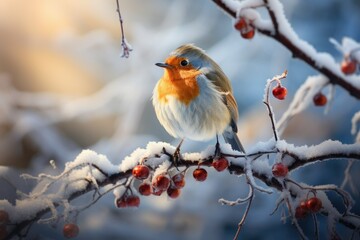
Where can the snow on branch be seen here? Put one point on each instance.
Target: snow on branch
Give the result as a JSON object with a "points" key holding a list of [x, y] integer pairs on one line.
{"points": [[280, 29], [92, 172]]}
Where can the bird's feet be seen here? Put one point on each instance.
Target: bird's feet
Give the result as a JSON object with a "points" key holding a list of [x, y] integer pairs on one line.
{"points": [[217, 152], [175, 158]]}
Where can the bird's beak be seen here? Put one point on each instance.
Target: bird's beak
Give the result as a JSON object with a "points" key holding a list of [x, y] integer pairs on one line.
{"points": [[163, 65]]}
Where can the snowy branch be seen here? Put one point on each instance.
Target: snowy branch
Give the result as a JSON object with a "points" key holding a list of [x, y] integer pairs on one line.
{"points": [[284, 34], [91, 172]]}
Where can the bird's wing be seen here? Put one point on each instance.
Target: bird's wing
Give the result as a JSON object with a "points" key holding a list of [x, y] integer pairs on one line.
{"points": [[222, 83]]}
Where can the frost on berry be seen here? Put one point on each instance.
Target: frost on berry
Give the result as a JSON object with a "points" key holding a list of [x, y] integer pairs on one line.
{"points": [[161, 182], [248, 33], [179, 180], [121, 202], [280, 170], [157, 192]]}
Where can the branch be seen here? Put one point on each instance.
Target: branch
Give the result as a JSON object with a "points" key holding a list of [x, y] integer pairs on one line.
{"points": [[106, 175], [297, 48]]}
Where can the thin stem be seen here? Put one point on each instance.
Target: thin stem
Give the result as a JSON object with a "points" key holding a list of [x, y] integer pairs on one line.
{"points": [[271, 116], [316, 226], [125, 47], [242, 221]]}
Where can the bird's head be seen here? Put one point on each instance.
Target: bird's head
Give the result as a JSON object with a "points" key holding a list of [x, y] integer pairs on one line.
{"points": [[186, 60]]}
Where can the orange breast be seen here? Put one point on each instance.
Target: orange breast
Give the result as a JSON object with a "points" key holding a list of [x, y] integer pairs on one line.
{"points": [[179, 83]]}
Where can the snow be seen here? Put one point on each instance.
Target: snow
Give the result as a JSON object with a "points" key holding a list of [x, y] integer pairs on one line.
{"points": [[88, 157], [328, 147]]}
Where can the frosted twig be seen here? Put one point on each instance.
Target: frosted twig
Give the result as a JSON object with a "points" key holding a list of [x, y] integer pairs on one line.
{"points": [[126, 48], [239, 200], [348, 178], [266, 100], [294, 220], [316, 226], [242, 221]]}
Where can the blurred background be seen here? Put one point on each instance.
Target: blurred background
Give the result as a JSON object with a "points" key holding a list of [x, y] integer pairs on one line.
{"points": [[64, 88]]}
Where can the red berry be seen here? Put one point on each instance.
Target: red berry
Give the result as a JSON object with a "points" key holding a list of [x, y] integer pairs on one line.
{"points": [[145, 189], [200, 174], [70, 230], [220, 164], [300, 212], [240, 24], [121, 202], [173, 192], [4, 217], [314, 204], [248, 33], [179, 180], [161, 182], [157, 192], [280, 170], [133, 201], [348, 66], [279, 92], [319, 99], [141, 172]]}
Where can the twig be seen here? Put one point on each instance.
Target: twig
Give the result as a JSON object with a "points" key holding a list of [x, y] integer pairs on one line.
{"points": [[242, 221], [316, 226], [126, 48]]}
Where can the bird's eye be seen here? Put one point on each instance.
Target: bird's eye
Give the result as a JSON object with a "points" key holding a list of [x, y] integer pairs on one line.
{"points": [[184, 63]]}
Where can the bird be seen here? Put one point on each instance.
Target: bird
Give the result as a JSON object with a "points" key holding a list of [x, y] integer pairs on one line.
{"points": [[194, 99]]}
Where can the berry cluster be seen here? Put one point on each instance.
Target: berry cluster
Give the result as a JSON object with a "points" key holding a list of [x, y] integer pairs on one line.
{"points": [[164, 182], [311, 205], [245, 28]]}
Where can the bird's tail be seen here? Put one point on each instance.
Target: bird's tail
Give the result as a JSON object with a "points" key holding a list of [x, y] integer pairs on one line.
{"points": [[231, 137]]}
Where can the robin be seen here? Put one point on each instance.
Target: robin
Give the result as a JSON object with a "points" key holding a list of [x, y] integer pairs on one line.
{"points": [[194, 98]]}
